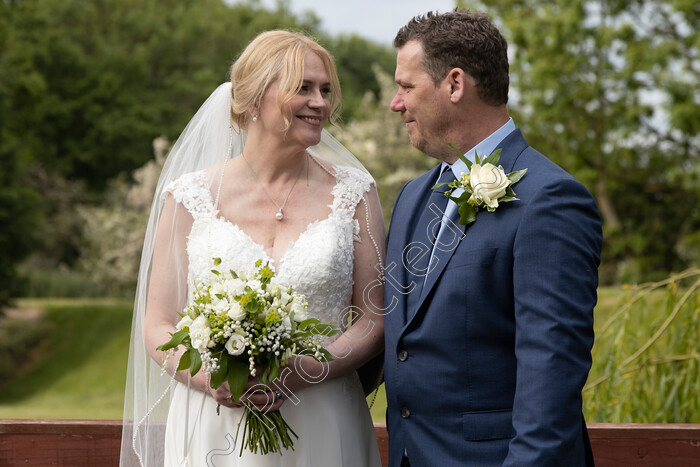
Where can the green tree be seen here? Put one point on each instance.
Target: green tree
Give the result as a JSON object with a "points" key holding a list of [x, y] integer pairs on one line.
{"points": [[608, 89], [356, 59], [90, 84], [86, 86], [381, 143]]}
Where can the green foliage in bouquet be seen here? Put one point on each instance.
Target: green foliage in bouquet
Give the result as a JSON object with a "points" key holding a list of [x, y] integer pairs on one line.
{"points": [[242, 323]]}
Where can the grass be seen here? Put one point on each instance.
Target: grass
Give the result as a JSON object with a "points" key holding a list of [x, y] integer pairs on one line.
{"points": [[81, 367], [647, 354], [77, 369]]}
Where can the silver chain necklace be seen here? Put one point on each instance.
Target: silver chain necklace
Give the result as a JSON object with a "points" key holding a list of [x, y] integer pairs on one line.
{"points": [[280, 214]]}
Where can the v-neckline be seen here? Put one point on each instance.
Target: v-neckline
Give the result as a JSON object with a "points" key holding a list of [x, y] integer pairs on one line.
{"points": [[276, 265]]}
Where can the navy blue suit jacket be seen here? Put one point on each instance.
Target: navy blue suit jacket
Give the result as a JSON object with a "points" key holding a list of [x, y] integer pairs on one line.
{"points": [[489, 369]]}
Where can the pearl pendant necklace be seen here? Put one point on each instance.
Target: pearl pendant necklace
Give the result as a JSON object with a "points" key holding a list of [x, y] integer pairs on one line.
{"points": [[280, 214]]}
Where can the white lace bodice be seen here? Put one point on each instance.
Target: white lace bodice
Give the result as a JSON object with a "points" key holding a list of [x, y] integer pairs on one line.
{"points": [[318, 264]]}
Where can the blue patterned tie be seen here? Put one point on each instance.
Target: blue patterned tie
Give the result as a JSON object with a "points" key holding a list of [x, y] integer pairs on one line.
{"points": [[417, 253]]}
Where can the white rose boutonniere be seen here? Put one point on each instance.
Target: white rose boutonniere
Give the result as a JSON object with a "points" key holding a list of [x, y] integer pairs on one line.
{"points": [[485, 185]]}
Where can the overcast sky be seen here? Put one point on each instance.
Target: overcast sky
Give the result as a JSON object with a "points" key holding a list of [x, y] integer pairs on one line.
{"points": [[374, 19]]}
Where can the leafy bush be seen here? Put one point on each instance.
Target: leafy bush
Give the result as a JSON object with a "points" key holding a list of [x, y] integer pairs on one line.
{"points": [[19, 338]]}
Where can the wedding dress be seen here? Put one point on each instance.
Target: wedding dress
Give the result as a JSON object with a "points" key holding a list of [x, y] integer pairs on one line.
{"points": [[331, 418]]}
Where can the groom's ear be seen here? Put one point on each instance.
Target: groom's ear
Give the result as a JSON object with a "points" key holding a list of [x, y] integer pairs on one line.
{"points": [[458, 81]]}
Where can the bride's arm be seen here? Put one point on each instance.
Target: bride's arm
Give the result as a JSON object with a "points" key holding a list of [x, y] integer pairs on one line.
{"points": [[167, 287]]}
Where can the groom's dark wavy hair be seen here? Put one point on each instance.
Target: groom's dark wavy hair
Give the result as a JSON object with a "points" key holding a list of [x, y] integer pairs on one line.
{"points": [[466, 40]]}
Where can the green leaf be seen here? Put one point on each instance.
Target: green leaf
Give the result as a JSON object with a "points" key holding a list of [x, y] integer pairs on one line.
{"points": [[196, 361], [274, 370], [175, 340], [461, 198], [292, 322], [214, 271], [217, 261], [466, 161], [316, 327], [237, 376], [219, 376], [467, 214], [308, 323], [493, 158], [327, 356], [515, 177], [184, 361]]}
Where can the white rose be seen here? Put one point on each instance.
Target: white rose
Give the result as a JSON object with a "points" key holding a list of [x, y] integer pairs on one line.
{"points": [[199, 333], [185, 322], [234, 286], [236, 311], [488, 183], [299, 309], [284, 297], [219, 306], [256, 285], [274, 290], [235, 345], [217, 289]]}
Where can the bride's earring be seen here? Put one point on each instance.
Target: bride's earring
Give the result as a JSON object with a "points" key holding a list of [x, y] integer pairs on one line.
{"points": [[255, 119]]}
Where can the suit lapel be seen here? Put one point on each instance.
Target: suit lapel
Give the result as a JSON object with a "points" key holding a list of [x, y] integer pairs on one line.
{"points": [[451, 235], [511, 147], [401, 230]]}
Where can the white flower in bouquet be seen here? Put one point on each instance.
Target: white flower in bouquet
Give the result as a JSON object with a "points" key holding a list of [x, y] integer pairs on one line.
{"points": [[235, 345], [236, 312], [256, 285], [217, 288], [299, 307], [220, 305], [200, 333], [234, 286], [185, 322]]}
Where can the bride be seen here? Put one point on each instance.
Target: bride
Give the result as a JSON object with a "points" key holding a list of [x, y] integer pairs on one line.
{"points": [[255, 176]]}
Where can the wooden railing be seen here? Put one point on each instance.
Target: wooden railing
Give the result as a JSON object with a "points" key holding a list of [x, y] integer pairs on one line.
{"points": [[88, 443]]}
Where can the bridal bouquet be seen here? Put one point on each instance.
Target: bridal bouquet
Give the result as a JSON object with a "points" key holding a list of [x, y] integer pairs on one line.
{"points": [[241, 323]]}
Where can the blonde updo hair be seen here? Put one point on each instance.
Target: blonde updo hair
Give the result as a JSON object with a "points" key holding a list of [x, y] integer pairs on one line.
{"points": [[277, 56]]}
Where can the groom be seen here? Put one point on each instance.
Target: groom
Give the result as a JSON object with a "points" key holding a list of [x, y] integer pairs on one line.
{"points": [[489, 327]]}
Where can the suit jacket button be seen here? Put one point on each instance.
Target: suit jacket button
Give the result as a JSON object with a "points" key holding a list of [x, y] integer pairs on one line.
{"points": [[403, 355], [405, 412]]}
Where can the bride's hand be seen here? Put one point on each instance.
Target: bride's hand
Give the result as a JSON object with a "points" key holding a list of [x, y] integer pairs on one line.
{"points": [[223, 396], [256, 396], [301, 372], [262, 398]]}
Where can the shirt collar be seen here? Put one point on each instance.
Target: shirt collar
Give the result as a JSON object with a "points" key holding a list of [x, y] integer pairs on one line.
{"points": [[484, 148]]}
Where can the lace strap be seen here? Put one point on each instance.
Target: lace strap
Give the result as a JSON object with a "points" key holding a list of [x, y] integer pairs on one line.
{"points": [[192, 191], [351, 185]]}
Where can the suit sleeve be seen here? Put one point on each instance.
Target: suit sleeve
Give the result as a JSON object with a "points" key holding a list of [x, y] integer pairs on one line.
{"points": [[555, 276]]}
